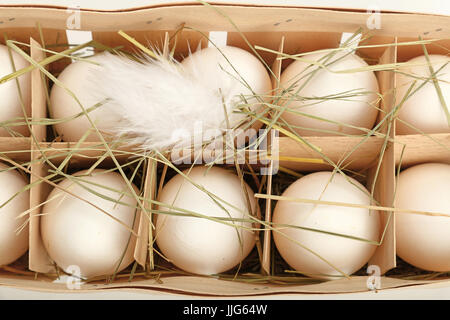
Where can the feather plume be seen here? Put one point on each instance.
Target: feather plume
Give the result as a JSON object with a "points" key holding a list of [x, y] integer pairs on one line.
{"points": [[160, 104]]}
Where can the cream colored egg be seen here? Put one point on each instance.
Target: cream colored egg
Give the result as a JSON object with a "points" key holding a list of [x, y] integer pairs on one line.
{"points": [[343, 99], [75, 233], [10, 97], [423, 109], [341, 253], [423, 240], [76, 77], [13, 244], [200, 245], [231, 72]]}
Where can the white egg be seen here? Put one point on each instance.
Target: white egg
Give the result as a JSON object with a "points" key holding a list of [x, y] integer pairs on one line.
{"points": [[75, 233], [347, 255], [231, 72], [13, 244], [342, 98], [11, 107], [76, 77], [423, 109], [199, 245], [423, 240]]}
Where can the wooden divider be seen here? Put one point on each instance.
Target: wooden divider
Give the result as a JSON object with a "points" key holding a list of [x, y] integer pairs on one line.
{"points": [[382, 174], [414, 149], [274, 151], [38, 258]]}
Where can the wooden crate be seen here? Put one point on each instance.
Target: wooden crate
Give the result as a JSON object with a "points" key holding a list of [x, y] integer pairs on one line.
{"points": [[302, 30]]}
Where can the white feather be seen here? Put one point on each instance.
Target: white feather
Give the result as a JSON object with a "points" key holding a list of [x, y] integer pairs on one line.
{"points": [[160, 104]]}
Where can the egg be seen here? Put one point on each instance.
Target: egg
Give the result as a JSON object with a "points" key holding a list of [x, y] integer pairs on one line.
{"points": [[13, 238], [343, 99], [75, 233], [76, 77], [345, 254], [424, 240], [423, 109], [199, 245], [231, 72], [10, 95]]}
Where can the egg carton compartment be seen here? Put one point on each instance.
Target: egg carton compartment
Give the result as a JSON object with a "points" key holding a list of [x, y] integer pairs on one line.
{"points": [[250, 266], [374, 179], [354, 152], [398, 270], [47, 176], [282, 30], [416, 148]]}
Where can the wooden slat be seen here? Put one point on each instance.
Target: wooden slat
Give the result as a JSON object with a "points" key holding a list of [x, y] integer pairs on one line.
{"points": [[335, 148], [384, 186], [422, 149], [38, 258]]}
